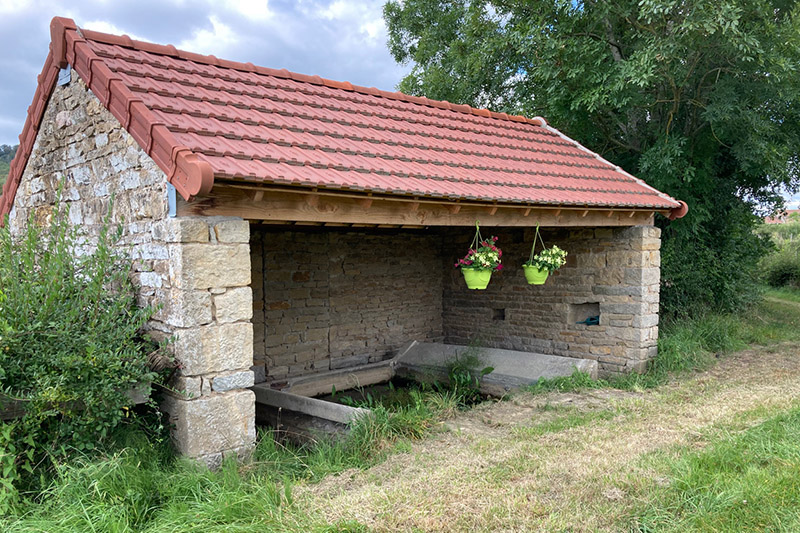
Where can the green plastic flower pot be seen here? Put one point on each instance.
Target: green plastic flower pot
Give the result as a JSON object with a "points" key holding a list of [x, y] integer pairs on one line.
{"points": [[476, 278], [534, 275]]}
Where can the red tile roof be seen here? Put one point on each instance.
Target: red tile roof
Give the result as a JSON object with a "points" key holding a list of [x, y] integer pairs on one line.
{"points": [[202, 118]]}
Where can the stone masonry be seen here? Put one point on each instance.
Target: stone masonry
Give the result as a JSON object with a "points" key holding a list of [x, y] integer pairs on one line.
{"points": [[610, 272], [241, 306], [196, 269], [333, 299], [328, 299]]}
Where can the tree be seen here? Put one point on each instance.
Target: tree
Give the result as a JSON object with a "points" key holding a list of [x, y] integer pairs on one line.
{"points": [[699, 98], [6, 156]]}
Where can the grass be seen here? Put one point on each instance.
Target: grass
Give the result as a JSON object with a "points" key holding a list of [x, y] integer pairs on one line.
{"points": [[571, 420], [741, 482], [557, 469], [694, 343], [143, 488], [787, 294]]}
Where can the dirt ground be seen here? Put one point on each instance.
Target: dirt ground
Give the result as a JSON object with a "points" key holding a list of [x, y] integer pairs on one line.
{"points": [[560, 461]]}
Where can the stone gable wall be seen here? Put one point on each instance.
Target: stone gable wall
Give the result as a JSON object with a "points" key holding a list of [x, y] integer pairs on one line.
{"points": [[330, 300], [613, 271], [196, 269]]}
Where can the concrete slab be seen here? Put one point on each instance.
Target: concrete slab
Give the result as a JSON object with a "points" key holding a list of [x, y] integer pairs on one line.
{"points": [[512, 369]]}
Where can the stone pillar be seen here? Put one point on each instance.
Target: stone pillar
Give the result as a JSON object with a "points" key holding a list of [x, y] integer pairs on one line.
{"points": [[208, 308], [630, 309]]}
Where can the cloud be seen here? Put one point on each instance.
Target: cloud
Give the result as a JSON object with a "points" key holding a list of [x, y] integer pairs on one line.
{"points": [[338, 39], [216, 40], [108, 27], [251, 9]]}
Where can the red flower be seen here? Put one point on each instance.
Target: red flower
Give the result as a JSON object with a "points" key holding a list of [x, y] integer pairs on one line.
{"points": [[499, 267]]}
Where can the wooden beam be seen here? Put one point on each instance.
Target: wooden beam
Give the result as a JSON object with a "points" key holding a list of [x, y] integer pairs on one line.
{"points": [[558, 212], [281, 206], [366, 203], [312, 200], [492, 210], [610, 212]]}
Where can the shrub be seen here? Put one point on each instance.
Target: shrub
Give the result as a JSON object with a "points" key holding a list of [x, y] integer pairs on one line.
{"points": [[782, 268], [70, 345]]}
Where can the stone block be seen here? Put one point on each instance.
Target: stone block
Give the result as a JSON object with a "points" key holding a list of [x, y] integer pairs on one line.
{"points": [[233, 305], [214, 348], [232, 230], [237, 380], [645, 321], [189, 387], [181, 230], [203, 266], [184, 308], [207, 426]]}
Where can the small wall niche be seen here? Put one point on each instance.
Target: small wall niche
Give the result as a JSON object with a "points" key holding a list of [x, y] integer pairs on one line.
{"points": [[498, 314], [582, 312]]}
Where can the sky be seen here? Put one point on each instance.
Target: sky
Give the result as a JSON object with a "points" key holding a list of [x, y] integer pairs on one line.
{"points": [[343, 40]]}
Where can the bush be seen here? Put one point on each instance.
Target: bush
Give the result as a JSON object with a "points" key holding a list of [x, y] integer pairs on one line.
{"points": [[782, 268], [70, 347]]}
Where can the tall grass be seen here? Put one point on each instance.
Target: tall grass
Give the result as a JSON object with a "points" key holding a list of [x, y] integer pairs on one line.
{"points": [[144, 488], [744, 482]]}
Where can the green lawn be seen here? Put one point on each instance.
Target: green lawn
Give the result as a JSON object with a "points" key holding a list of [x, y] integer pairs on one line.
{"points": [[748, 481]]}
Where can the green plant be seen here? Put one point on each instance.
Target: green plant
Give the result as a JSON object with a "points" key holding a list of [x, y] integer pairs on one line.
{"points": [[464, 373], [482, 254], [70, 342], [782, 267], [698, 99], [549, 259]]}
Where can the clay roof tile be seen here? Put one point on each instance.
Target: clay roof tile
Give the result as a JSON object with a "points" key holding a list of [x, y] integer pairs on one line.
{"points": [[198, 116]]}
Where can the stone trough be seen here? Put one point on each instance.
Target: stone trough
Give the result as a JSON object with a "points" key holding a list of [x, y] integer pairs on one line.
{"points": [[293, 408]]}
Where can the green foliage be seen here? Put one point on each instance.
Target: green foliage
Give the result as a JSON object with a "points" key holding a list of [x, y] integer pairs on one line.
{"points": [[7, 154], [698, 98], [782, 268], [782, 234], [549, 259], [70, 347], [464, 373], [741, 482], [144, 489]]}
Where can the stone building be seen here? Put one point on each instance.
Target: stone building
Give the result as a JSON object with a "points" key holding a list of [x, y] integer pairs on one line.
{"points": [[289, 224]]}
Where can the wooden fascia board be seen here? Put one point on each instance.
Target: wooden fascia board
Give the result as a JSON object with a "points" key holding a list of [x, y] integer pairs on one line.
{"points": [[281, 206]]}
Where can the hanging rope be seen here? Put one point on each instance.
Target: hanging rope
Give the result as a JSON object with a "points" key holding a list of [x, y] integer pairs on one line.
{"points": [[476, 241], [537, 236]]}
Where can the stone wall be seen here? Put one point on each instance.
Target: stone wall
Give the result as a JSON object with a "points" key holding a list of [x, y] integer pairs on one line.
{"points": [[197, 270], [336, 299], [610, 272]]}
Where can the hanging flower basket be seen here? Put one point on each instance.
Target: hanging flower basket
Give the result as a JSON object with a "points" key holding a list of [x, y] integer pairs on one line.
{"points": [[481, 260], [540, 265]]}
